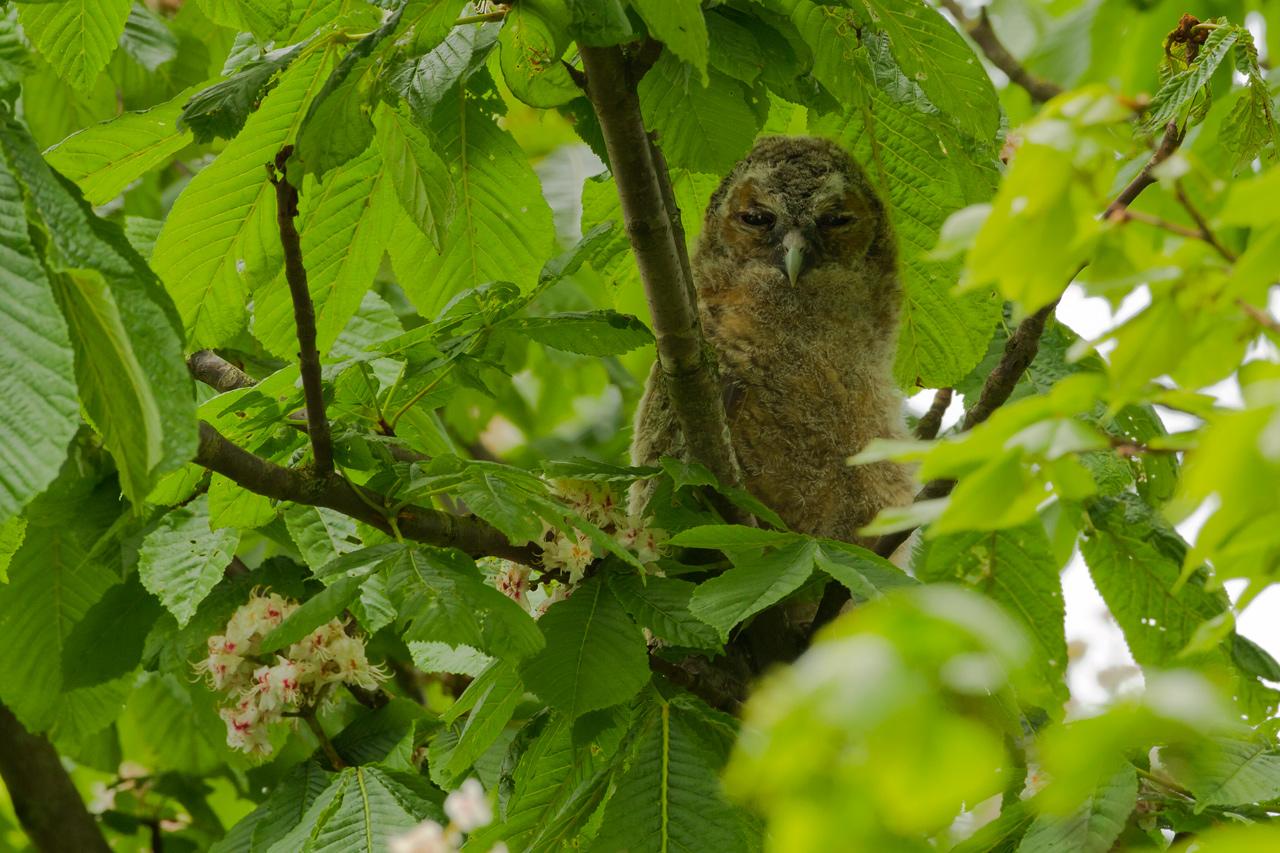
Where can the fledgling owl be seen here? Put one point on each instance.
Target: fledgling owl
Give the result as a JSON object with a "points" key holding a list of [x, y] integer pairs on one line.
{"points": [[798, 294]]}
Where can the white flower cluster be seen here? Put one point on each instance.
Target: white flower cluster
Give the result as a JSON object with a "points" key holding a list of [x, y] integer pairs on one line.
{"points": [[467, 808], [262, 688], [597, 503]]}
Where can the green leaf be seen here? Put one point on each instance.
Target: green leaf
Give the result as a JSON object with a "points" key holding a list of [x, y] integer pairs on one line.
{"points": [[360, 810], [12, 533], [1135, 561], [668, 798], [220, 238], [289, 800], [756, 581], [502, 228], [263, 18], [105, 158], [223, 108], [679, 25], [147, 39], [1095, 827], [706, 129], [729, 536], [923, 174], [598, 333], [164, 727], [343, 224], [37, 380], [600, 22], [1228, 771], [1015, 568], [76, 37], [124, 614], [53, 582], [530, 46], [183, 559], [930, 52], [502, 502], [662, 605], [420, 178], [865, 573], [441, 596], [1180, 89], [322, 535], [129, 360], [489, 703], [314, 612], [428, 80], [595, 656]]}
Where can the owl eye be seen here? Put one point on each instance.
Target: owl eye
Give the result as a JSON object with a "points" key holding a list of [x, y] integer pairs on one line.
{"points": [[758, 218], [834, 220]]}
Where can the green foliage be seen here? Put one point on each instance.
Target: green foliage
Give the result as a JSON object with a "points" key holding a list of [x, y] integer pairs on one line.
{"points": [[493, 608]]}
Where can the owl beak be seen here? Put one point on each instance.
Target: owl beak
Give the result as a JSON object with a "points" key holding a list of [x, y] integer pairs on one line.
{"points": [[795, 247]]}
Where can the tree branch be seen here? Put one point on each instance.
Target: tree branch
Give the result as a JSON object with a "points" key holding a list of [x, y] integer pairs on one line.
{"points": [[44, 798], [1206, 233], [688, 367], [304, 314], [1168, 144], [984, 36], [433, 527], [931, 421]]}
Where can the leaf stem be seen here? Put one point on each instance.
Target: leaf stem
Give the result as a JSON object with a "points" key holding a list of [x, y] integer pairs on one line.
{"points": [[308, 715]]}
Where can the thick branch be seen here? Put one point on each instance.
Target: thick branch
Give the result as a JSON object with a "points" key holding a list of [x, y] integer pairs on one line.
{"points": [[419, 524], [688, 368], [46, 801], [931, 421], [984, 36], [304, 315]]}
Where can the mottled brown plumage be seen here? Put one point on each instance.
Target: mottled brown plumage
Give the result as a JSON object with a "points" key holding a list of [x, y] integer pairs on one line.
{"points": [[806, 364]]}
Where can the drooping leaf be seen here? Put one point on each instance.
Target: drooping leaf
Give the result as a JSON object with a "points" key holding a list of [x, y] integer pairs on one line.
{"points": [[147, 39], [37, 379], [679, 25], [128, 351], [1181, 88], [488, 703], [322, 535], [313, 613], [76, 37], [183, 559], [662, 605], [426, 81], [223, 108], [594, 655], [420, 178], [263, 18], [1228, 771], [529, 49]]}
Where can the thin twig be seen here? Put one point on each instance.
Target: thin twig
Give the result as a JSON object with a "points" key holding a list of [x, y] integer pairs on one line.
{"points": [[1206, 233], [984, 36], [304, 314], [335, 760], [931, 421], [1169, 143], [1262, 318], [1178, 228], [481, 18]]}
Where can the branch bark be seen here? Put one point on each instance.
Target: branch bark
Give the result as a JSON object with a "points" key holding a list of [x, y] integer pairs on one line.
{"points": [[44, 798], [984, 36], [688, 366], [420, 524], [931, 421], [304, 314]]}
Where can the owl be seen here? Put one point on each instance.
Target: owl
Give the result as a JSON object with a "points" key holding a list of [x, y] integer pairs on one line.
{"points": [[798, 294]]}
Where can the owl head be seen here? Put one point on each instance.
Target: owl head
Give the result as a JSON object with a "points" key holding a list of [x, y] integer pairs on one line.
{"points": [[794, 208]]}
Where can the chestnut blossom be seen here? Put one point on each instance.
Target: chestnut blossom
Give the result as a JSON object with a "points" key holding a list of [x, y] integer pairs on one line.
{"points": [[645, 541], [426, 837], [468, 808], [514, 583], [571, 554], [262, 688]]}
